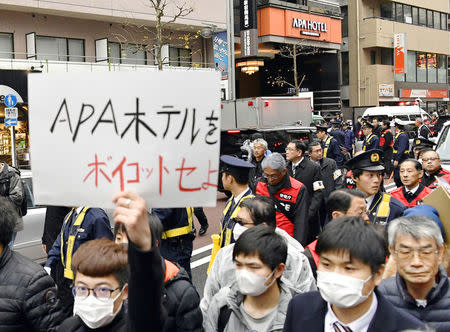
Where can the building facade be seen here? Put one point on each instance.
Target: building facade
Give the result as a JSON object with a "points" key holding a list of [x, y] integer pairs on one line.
{"points": [[88, 36], [374, 75]]}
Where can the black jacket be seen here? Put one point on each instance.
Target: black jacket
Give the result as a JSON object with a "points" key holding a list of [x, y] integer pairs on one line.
{"points": [[144, 312], [308, 173], [255, 174], [306, 313], [437, 312], [28, 299], [331, 177], [182, 304]]}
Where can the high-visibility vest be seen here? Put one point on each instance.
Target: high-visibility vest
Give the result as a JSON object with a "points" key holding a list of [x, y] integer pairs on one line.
{"points": [[367, 141], [326, 146], [67, 262], [182, 230], [382, 212], [396, 138]]}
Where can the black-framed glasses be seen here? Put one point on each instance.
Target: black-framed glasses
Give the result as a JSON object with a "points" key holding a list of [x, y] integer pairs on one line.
{"points": [[101, 293], [241, 222], [273, 177], [423, 253]]}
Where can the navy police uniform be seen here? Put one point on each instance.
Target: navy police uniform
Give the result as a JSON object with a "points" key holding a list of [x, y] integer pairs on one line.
{"points": [[178, 236], [401, 151], [384, 207], [330, 148], [233, 166], [372, 141]]}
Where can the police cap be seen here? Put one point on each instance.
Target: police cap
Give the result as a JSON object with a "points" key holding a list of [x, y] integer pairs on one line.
{"points": [[235, 166], [371, 160], [423, 143], [367, 124], [322, 128]]}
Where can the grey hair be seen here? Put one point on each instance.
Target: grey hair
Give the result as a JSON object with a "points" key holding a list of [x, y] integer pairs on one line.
{"points": [[274, 161], [261, 141], [417, 227]]}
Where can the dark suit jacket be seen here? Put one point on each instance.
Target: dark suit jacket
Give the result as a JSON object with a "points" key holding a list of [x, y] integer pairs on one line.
{"points": [[306, 312]]}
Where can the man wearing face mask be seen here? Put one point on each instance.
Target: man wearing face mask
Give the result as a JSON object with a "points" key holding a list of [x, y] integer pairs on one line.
{"points": [[258, 300], [258, 210], [102, 282], [351, 263]]}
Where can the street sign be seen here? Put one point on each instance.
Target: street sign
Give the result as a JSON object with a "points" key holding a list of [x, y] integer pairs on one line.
{"points": [[10, 100], [11, 113], [10, 122]]}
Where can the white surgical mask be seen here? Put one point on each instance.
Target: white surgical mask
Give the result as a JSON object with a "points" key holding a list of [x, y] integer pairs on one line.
{"points": [[94, 312], [252, 284], [238, 230], [341, 290]]}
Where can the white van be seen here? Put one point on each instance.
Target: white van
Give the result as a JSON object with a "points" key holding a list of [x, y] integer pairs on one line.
{"points": [[405, 114]]}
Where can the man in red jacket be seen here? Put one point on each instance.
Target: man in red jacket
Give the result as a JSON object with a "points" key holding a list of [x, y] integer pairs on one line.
{"points": [[412, 190], [289, 195]]}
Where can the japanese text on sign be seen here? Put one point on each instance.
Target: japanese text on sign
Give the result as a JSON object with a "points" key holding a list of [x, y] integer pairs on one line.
{"points": [[94, 135]]}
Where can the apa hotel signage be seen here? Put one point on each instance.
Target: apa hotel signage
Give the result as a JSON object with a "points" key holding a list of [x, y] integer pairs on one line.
{"points": [[314, 28]]}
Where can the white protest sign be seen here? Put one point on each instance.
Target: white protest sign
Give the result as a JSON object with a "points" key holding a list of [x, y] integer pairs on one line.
{"points": [[93, 135]]}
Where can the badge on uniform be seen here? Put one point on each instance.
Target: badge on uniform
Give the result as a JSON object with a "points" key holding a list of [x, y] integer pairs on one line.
{"points": [[318, 185], [337, 173], [418, 142], [374, 157]]}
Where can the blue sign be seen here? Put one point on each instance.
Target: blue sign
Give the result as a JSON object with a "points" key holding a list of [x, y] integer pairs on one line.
{"points": [[10, 100], [10, 122], [220, 46]]}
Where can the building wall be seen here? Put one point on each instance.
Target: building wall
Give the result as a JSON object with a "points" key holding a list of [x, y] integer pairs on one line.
{"points": [[376, 33], [204, 11]]}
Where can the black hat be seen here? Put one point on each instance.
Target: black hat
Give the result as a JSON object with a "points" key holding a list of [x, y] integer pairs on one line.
{"points": [[235, 166], [367, 124], [322, 128], [423, 143], [371, 160]]}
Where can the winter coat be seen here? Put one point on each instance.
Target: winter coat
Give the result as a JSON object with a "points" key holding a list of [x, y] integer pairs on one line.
{"points": [[14, 192], [181, 301], [28, 300], [297, 275], [437, 312], [231, 297]]}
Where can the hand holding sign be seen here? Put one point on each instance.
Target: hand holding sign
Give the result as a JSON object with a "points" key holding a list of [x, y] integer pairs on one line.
{"points": [[131, 211]]}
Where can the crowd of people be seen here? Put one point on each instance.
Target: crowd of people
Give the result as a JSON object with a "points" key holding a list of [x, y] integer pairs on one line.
{"points": [[309, 241]]}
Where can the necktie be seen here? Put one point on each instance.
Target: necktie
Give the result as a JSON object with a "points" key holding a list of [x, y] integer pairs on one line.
{"points": [[293, 170], [338, 327], [409, 195]]}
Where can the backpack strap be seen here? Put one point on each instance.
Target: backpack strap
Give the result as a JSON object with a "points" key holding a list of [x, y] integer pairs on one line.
{"points": [[224, 317]]}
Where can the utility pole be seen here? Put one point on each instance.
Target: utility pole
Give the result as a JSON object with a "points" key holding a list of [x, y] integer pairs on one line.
{"points": [[231, 61]]}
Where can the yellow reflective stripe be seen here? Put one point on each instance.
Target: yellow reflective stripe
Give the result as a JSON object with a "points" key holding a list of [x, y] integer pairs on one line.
{"points": [[227, 237], [227, 234], [180, 230], [327, 145], [68, 273], [383, 210]]}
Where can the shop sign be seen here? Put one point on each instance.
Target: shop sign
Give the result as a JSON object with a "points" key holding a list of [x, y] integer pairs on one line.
{"points": [[386, 90], [220, 47], [421, 93], [400, 53], [314, 26], [248, 25], [95, 134]]}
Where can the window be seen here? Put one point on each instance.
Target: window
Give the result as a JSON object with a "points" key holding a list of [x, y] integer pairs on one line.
{"points": [[344, 11], [443, 21], [441, 68], [399, 12], [6, 46], [59, 49], [415, 15], [114, 52], [345, 69], [180, 57], [429, 18], [407, 14], [411, 67], [373, 57], [386, 10], [387, 56], [422, 16], [431, 67], [421, 62], [437, 20], [133, 54]]}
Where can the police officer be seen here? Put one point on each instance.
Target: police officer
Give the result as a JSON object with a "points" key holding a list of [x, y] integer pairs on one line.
{"points": [[307, 172], [178, 236], [371, 142], [400, 150], [431, 163], [367, 172], [330, 146], [235, 178], [418, 145], [81, 224]]}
